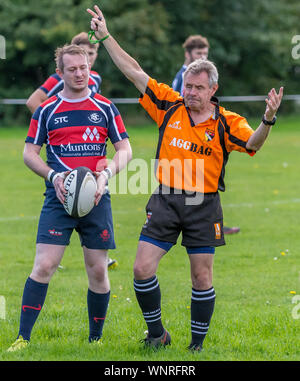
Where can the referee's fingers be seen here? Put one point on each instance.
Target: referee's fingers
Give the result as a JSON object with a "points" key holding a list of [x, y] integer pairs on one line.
{"points": [[92, 13], [99, 13]]}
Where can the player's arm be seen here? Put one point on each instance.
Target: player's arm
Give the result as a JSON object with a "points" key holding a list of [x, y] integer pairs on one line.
{"points": [[121, 158], [33, 160], [128, 65], [35, 99], [260, 135]]}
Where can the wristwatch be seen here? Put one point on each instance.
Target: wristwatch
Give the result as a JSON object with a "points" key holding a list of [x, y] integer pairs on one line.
{"points": [[269, 122]]}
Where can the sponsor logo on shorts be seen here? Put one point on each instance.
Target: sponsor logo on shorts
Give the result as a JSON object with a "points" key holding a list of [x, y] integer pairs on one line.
{"points": [[218, 231], [149, 214], [105, 235], [55, 233]]}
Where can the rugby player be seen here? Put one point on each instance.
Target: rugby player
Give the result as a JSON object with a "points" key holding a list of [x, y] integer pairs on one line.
{"points": [[191, 128], [63, 123], [54, 84], [195, 47]]}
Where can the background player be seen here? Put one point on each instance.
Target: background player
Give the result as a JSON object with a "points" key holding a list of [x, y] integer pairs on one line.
{"points": [[209, 132], [62, 123], [55, 84], [195, 47]]}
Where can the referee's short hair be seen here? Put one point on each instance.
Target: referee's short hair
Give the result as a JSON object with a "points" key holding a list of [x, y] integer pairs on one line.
{"points": [[200, 65], [68, 49]]}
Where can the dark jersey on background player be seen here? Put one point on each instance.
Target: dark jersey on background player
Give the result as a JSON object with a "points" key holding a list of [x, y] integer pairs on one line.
{"points": [[195, 47]]}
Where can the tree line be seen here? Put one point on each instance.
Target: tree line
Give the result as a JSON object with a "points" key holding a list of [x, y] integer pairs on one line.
{"points": [[250, 41]]}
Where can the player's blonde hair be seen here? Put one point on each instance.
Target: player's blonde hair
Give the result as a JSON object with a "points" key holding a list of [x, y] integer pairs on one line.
{"points": [[200, 65], [68, 49]]}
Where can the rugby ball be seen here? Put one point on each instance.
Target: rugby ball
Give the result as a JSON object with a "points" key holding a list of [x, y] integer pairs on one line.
{"points": [[81, 187]]}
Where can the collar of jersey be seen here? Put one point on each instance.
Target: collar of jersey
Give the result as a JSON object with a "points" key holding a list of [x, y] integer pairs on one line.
{"points": [[75, 100], [215, 101]]}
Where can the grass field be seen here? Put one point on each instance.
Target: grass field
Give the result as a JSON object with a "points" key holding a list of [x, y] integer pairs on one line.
{"points": [[256, 275]]}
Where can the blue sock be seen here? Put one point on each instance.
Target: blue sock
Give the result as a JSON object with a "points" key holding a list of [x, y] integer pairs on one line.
{"points": [[97, 308], [33, 299]]}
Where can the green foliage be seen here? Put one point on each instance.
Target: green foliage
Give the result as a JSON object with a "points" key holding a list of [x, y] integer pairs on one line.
{"points": [[34, 31], [250, 41]]}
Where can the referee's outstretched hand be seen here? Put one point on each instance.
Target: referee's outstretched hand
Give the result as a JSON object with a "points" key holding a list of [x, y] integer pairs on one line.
{"points": [[273, 102]]}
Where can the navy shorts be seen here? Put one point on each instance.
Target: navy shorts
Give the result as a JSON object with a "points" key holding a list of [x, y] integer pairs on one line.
{"points": [[95, 229]]}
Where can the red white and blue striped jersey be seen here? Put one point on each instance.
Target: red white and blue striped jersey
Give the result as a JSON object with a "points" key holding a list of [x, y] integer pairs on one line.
{"points": [[76, 130], [54, 84]]}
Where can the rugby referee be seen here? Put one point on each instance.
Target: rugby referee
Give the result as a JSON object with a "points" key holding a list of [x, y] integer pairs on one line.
{"points": [[191, 128]]}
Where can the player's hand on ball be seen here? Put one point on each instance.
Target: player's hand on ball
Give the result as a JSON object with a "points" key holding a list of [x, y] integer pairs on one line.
{"points": [[273, 102], [101, 184], [98, 24], [58, 183]]}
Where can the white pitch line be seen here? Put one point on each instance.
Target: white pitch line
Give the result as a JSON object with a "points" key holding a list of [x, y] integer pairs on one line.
{"points": [[17, 218], [254, 204]]}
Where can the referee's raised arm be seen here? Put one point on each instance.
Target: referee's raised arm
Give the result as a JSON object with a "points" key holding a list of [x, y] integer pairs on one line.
{"points": [[128, 66]]}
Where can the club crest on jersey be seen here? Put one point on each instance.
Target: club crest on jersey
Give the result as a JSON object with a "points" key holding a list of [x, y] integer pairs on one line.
{"points": [[95, 117], [209, 135]]}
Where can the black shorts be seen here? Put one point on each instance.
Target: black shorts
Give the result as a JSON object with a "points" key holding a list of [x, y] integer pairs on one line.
{"points": [[168, 215]]}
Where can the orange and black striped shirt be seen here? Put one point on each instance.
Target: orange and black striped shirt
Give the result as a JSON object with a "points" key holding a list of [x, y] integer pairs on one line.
{"points": [[193, 157]]}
